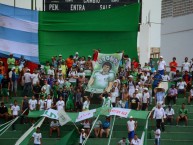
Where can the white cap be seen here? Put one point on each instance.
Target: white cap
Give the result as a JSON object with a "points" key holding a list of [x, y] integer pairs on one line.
{"points": [[28, 69], [60, 55], [77, 53], [136, 89], [13, 68], [130, 76], [82, 129], [154, 71], [60, 69], [146, 89], [89, 56], [131, 117], [161, 57]]}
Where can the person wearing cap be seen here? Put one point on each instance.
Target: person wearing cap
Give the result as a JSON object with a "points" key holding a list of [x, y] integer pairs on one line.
{"points": [[88, 64], [173, 67], [123, 141], [156, 80], [135, 140], [190, 97], [10, 62], [172, 94], [131, 127], [5, 87], [27, 83], [181, 86], [159, 115], [131, 86], [59, 61], [13, 81], [169, 112], [83, 136], [76, 56], [186, 65], [159, 95], [161, 65], [145, 99]]}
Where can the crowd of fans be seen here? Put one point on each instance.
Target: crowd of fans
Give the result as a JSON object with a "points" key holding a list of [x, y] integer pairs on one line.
{"points": [[60, 84]]}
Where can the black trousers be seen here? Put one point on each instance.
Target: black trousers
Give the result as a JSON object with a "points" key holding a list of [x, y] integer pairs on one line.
{"points": [[169, 98], [160, 124]]}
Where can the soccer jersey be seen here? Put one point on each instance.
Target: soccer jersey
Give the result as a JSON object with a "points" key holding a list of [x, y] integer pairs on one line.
{"points": [[37, 137], [101, 81], [48, 103], [42, 104], [15, 110], [32, 104], [60, 105]]}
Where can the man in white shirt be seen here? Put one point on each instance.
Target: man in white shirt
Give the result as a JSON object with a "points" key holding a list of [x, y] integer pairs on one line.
{"points": [[46, 88], [131, 126], [60, 104], [54, 126], [135, 140], [165, 77], [190, 96], [182, 87], [145, 99], [161, 65], [113, 96], [157, 136], [186, 65], [169, 112], [15, 112], [27, 83], [159, 115], [37, 136]]}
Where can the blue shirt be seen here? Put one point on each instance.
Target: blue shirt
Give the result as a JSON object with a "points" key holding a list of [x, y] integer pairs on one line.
{"points": [[160, 96], [157, 79], [1, 77]]}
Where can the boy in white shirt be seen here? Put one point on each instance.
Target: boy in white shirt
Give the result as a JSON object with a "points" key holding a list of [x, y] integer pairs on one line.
{"points": [[32, 104], [135, 140], [145, 99], [48, 102], [182, 87], [60, 104], [15, 112], [37, 136]]}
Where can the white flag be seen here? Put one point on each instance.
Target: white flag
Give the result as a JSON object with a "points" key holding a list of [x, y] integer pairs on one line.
{"points": [[51, 113], [63, 117]]}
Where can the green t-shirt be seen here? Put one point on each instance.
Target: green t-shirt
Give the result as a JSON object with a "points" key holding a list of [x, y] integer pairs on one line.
{"points": [[47, 67], [183, 112], [55, 89], [11, 62]]}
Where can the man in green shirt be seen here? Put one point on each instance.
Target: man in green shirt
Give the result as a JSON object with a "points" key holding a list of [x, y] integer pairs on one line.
{"points": [[182, 115], [11, 62]]}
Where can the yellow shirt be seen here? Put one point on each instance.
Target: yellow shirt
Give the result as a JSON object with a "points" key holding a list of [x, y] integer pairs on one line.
{"points": [[64, 68]]}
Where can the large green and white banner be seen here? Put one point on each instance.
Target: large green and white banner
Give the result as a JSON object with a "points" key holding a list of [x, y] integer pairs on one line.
{"points": [[104, 73]]}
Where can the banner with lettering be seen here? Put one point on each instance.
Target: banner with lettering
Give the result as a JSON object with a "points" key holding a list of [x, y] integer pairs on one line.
{"points": [[104, 73], [120, 112], [85, 115]]}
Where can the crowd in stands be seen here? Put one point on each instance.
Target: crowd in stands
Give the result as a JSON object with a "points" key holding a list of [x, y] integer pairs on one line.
{"points": [[60, 84]]}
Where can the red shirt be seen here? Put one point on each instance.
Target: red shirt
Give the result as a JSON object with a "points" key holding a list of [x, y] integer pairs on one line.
{"points": [[135, 64], [173, 63], [95, 56], [69, 62]]}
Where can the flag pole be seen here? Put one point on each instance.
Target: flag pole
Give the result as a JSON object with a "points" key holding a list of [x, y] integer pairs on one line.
{"points": [[91, 129]]}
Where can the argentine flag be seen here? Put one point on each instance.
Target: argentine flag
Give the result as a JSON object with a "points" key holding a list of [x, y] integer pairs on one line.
{"points": [[19, 32]]}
